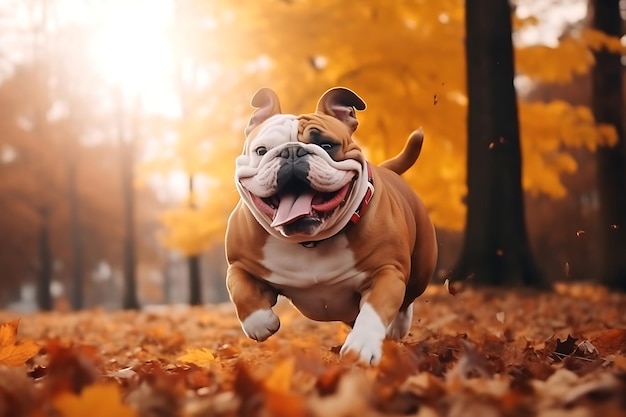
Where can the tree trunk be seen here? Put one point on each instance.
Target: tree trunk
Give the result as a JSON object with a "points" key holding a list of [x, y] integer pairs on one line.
{"points": [[127, 158], [183, 14], [195, 283], [76, 239], [130, 271], [608, 107], [44, 297], [496, 249], [193, 262]]}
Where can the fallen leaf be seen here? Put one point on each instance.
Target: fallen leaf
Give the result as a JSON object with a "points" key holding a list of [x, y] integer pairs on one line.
{"points": [[457, 354], [14, 353], [285, 404], [620, 362], [17, 392], [248, 390], [227, 351], [610, 342], [587, 348], [564, 348], [327, 382], [101, 400], [71, 368], [599, 387], [200, 357], [424, 385], [471, 364], [500, 316], [280, 378]]}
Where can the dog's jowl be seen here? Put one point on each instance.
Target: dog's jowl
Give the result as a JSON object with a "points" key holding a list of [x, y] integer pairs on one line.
{"points": [[343, 239]]}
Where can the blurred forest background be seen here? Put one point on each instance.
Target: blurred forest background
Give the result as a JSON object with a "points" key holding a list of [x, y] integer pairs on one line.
{"points": [[120, 121]]}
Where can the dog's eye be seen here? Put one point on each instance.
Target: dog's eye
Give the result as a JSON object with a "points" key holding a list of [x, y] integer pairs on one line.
{"points": [[326, 146], [261, 150]]}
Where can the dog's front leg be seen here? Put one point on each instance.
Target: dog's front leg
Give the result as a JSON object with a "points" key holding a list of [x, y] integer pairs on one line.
{"points": [[253, 300], [379, 305]]}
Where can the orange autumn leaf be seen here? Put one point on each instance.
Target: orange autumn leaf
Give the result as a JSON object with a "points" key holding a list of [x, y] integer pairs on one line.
{"points": [[100, 400], [620, 362], [285, 404], [200, 357], [280, 378], [279, 400], [14, 353]]}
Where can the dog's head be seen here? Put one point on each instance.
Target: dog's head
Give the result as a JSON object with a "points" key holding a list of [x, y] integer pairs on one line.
{"points": [[302, 177]]}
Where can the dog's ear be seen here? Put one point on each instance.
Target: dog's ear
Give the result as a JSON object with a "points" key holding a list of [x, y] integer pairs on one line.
{"points": [[341, 103], [267, 105]]}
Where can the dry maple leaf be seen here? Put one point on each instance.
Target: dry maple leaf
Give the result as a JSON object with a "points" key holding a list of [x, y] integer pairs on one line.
{"points": [[100, 400], [200, 357], [14, 353]]}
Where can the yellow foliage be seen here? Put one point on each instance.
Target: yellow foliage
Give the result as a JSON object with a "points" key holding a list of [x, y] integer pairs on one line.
{"points": [[554, 65], [597, 40], [607, 135], [521, 23], [405, 58], [192, 230], [546, 129]]}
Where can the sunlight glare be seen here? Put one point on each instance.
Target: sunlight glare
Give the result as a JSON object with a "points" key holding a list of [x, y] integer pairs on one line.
{"points": [[131, 50], [555, 17]]}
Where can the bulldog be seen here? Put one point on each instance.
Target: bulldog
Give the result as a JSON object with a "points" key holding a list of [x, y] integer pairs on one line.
{"points": [[343, 239]]}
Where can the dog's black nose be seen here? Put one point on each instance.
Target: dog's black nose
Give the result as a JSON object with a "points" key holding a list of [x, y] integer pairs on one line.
{"points": [[293, 166], [293, 152]]}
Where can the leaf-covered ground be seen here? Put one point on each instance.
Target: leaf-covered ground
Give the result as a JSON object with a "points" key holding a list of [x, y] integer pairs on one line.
{"points": [[478, 353]]}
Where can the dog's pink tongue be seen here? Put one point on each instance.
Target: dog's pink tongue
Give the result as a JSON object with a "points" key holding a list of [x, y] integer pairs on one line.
{"points": [[293, 207]]}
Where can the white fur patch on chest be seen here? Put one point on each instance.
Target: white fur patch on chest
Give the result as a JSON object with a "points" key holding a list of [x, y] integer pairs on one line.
{"points": [[331, 262], [322, 282]]}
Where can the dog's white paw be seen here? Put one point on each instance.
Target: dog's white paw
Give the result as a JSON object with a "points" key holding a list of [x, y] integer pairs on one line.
{"points": [[260, 325], [401, 324], [366, 338], [367, 345]]}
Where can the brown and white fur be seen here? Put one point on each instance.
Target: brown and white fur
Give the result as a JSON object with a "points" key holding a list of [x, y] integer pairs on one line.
{"points": [[293, 233]]}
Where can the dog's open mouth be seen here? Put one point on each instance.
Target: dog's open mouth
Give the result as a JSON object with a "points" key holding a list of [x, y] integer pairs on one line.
{"points": [[298, 201]]}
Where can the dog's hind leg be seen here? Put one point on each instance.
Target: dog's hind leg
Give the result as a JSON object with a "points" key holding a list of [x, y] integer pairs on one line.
{"points": [[401, 324]]}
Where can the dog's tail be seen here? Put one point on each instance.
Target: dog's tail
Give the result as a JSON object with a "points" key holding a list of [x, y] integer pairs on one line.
{"points": [[405, 159]]}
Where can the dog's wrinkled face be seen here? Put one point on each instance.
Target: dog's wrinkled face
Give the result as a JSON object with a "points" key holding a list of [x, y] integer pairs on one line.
{"points": [[302, 177]]}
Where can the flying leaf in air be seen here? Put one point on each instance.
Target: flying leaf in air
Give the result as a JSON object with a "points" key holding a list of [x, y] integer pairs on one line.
{"points": [[14, 353]]}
